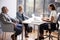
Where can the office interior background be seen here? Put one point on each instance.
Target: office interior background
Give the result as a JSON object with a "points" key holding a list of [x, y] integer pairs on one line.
{"points": [[37, 7]]}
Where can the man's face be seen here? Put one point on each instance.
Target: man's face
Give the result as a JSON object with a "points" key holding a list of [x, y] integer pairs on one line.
{"points": [[5, 10]]}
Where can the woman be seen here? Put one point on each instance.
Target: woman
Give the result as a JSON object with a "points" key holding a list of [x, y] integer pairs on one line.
{"points": [[21, 17], [52, 21]]}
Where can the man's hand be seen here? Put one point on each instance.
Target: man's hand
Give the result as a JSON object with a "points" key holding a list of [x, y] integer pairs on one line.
{"points": [[14, 24]]}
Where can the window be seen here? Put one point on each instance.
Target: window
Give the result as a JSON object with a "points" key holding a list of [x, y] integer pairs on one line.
{"points": [[38, 7], [34, 6], [29, 7]]}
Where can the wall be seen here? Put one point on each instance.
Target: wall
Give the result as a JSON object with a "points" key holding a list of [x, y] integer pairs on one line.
{"points": [[11, 5]]}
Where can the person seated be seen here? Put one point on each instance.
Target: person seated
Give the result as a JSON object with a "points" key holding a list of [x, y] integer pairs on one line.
{"points": [[21, 17], [51, 20], [5, 18]]}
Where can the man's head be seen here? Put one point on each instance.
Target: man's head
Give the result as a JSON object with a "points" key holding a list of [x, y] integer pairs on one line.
{"points": [[4, 9]]}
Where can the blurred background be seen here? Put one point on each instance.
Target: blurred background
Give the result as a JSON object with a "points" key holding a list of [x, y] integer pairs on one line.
{"points": [[38, 7]]}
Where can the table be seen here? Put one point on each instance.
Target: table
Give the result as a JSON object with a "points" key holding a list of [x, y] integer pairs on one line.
{"points": [[35, 21]]}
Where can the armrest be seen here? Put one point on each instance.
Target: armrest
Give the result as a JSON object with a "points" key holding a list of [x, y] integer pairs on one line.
{"points": [[8, 27]]}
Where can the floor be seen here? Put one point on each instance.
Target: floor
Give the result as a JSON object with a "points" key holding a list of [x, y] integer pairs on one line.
{"points": [[32, 36]]}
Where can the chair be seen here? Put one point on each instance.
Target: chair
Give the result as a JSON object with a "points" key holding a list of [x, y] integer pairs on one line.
{"points": [[50, 31], [0, 31], [6, 28]]}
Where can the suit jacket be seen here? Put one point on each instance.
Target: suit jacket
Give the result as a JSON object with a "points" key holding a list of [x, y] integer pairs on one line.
{"points": [[4, 19], [7, 25], [19, 16]]}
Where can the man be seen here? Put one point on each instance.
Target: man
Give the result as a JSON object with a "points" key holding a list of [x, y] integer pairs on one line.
{"points": [[20, 15], [4, 17]]}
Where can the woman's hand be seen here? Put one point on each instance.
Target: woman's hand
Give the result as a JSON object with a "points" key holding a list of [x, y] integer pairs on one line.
{"points": [[46, 19]]}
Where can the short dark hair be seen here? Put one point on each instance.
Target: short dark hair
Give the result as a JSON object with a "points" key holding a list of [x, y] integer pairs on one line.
{"points": [[53, 7], [3, 8]]}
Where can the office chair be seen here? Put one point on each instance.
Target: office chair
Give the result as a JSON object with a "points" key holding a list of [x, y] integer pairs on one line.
{"points": [[50, 31], [51, 36], [6, 28], [0, 31]]}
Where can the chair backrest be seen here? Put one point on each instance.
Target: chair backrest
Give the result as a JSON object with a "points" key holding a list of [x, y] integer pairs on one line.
{"points": [[58, 19]]}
